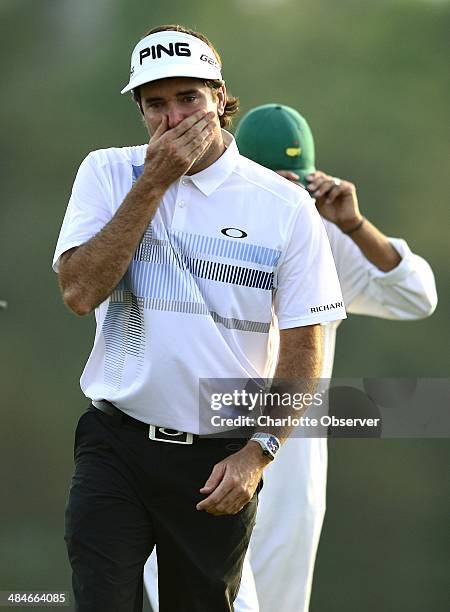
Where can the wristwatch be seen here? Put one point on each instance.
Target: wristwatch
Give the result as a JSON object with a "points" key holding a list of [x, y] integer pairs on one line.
{"points": [[270, 444]]}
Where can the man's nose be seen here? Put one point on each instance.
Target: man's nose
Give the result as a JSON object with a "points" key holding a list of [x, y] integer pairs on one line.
{"points": [[174, 116]]}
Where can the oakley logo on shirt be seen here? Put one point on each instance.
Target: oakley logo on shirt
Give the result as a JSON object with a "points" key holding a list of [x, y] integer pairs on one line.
{"points": [[233, 232]]}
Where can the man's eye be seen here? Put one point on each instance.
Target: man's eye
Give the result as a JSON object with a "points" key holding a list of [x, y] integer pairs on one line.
{"points": [[190, 98], [154, 105]]}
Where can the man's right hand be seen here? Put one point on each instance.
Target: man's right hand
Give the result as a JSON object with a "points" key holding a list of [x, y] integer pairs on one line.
{"points": [[89, 273], [171, 152]]}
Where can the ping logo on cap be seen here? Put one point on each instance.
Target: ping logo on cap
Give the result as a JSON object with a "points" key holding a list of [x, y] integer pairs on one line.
{"points": [[168, 54], [156, 51], [293, 151]]}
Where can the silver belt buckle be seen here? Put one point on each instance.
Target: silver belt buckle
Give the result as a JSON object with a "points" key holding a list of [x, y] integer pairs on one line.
{"points": [[172, 436]]}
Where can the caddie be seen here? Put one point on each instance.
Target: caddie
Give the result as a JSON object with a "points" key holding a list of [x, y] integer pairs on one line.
{"points": [[184, 249]]}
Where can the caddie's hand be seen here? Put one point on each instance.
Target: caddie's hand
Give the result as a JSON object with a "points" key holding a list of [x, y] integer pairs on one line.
{"points": [[233, 481], [171, 152], [335, 199]]}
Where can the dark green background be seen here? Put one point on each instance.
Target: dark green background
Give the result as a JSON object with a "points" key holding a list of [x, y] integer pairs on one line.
{"points": [[371, 77]]}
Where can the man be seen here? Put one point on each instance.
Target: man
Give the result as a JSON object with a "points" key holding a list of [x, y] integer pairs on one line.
{"points": [[182, 247], [379, 277]]}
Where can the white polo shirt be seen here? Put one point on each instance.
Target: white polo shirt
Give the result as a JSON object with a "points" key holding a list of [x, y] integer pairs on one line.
{"points": [[227, 248]]}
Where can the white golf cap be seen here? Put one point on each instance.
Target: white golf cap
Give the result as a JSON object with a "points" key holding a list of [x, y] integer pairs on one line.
{"points": [[171, 54]]}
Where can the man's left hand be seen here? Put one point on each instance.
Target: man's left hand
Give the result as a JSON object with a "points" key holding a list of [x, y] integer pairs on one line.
{"points": [[233, 481]]}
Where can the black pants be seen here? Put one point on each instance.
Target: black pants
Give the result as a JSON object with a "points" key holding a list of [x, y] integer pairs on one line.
{"points": [[130, 493]]}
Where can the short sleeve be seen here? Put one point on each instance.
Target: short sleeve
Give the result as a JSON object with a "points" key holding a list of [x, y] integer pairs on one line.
{"points": [[307, 289], [89, 208]]}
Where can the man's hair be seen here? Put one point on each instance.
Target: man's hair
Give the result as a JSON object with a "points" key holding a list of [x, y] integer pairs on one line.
{"points": [[232, 103]]}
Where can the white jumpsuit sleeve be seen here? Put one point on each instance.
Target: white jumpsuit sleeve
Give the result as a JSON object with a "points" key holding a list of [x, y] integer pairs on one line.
{"points": [[407, 292]]}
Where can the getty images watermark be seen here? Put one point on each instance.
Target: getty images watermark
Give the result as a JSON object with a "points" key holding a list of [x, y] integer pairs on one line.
{"points": [[355, 408], [259, 406]]}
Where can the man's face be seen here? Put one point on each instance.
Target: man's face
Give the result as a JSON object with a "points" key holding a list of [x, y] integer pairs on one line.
{"points": [[178, 98]]}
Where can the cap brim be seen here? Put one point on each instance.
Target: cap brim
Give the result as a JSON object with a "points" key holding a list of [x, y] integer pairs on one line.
{"points": [[196, 71]]}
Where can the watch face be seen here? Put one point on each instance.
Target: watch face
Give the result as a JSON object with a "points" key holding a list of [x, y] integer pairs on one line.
{"points": [[272, 444]]}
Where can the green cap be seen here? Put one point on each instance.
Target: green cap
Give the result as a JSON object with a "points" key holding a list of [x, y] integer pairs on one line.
{"points": [[277, 137]]}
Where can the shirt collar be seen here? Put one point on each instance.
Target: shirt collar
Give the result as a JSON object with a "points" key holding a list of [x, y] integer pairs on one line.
{"points": [[212, 177]]}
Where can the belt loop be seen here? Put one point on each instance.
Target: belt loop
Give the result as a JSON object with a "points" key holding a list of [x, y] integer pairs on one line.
{"points": [[120, 416], [117, 418]]}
